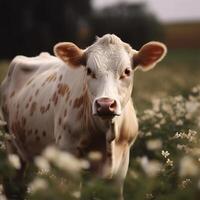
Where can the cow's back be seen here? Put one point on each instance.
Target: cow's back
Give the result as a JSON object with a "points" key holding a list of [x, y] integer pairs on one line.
{"points": [[26, 94]]}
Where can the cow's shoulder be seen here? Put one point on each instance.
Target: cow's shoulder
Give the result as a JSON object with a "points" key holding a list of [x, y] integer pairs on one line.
{"points": [[127, 125], [22, 69], [31, 64]]}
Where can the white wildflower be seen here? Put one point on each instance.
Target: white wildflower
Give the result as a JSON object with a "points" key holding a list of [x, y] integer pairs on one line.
{"points": [[151, 168], [14, 161], [156, 104], [69, 163], [191, 136], [149, 133], [154, 144], [42, 163], [38, 184], [167, 108], [191, 106], [165, 153], [178, 98], [159, 115], [195, 89], [50, 153], [157, 125], [169, 162], [65, 160], [185, 183], [179, 122], [76, 194], [162, 121], [188, 167], [149, 196], [95, 156], [149, 112]]}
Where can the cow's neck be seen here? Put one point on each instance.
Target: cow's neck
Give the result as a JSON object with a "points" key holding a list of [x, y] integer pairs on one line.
{"points": [[99, 134]]}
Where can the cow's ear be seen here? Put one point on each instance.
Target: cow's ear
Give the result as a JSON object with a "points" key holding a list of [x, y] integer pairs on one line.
{"points": [[70, 54], [149, 55]]}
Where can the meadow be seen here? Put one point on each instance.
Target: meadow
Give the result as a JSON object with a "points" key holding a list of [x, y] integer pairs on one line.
{"points": [[165, 159]]}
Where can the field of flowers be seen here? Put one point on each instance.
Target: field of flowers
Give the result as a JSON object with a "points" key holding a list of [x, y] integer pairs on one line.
{"points": [[164, 161]]}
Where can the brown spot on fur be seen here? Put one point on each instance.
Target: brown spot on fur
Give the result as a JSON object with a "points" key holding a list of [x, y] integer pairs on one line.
{"points": [[70, 102], [36, 132], [60, 78], [27, 105], [33, 108], [30, 99], [12, 94], [29, 82], [47, 108], [55, 98], [67, 97], [44, 133], [78, 102], [42, 109], [59, 121], [23, 121], [64, 127], [37, 138], [51, 77], [59, 138], [80, 114], [65, 113], [17, 113], [36, 92], [43, 84], [62, 89]]}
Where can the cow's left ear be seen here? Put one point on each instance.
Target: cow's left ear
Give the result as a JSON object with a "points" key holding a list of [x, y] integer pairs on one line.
{"points": [[149, 55], [70, 54]]}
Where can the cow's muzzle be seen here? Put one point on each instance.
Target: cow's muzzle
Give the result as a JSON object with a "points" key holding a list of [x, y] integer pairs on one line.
{"points": [[106, 107]]}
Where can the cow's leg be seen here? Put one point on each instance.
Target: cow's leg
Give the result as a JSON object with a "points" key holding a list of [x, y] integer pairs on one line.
{"points": [[15, 187], [121, 160]]}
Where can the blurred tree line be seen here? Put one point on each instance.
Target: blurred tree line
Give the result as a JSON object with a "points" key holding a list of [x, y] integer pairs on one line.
{"points": [[31, 26]]}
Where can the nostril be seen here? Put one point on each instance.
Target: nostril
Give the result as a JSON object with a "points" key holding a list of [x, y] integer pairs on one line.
{"points": [[113, 106]]}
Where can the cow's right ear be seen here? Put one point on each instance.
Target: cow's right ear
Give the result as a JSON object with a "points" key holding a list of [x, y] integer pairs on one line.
{"points": [[70, 54]]}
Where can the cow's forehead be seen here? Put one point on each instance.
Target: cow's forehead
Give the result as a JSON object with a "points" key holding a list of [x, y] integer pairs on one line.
{"points": [[109, 53]]}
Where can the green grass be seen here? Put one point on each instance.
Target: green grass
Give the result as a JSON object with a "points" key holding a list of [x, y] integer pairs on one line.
{"points": [[3, 69]]}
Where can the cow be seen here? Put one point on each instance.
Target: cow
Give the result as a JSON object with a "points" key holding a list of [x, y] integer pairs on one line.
{"points": [[79, 100]]}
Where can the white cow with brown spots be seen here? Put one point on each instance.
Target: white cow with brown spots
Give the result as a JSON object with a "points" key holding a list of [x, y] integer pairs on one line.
{"points": [[79, 100]]}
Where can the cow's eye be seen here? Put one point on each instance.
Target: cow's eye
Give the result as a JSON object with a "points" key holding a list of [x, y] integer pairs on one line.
{"points": [[127, 72], [89, 71]]}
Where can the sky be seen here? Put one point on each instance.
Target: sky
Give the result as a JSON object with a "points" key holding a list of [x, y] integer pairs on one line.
{"points": [[165, 10]]}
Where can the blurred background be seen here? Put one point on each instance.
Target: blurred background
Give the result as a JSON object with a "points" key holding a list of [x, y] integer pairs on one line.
{"points": [[31, 26]]}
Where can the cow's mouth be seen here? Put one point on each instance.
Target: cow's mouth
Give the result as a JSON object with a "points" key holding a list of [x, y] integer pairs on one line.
{"points": [[106, 115]]}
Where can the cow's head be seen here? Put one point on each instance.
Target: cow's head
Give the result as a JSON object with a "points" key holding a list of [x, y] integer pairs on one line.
{"points": [[109, 65]]}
